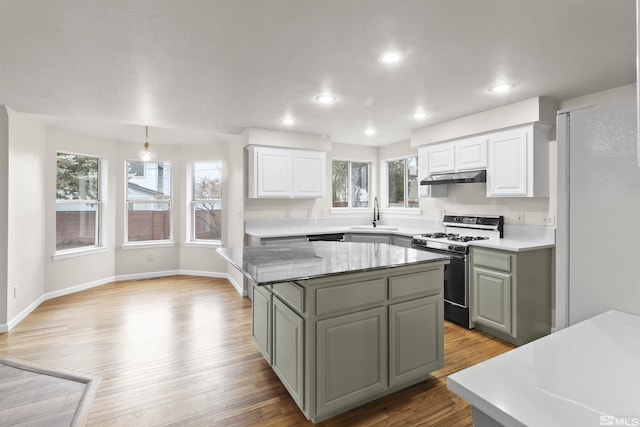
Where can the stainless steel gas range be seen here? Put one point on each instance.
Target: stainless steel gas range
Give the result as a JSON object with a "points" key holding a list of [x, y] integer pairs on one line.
{"points": [[459, 230]]}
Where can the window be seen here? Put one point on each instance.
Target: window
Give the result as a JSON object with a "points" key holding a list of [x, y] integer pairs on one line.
{"points": [[78, 206], [402, 180], [206, 202], [350, 184], [148, 201]]}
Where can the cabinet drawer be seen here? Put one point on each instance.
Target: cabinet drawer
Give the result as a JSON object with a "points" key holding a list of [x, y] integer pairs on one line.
{"points": [[290, 293], [490, 259], [350, 296], [423, 283]]}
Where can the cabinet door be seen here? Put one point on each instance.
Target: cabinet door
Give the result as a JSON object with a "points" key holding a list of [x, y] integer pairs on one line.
{"points": [[308, 173], [416, 340], [441, 158], [261, 321], [507, 168], [471, 154], [403, 241], [370, 238], [423, 172], [288, 349], [352, 355], [492, 299], [273, 172]]}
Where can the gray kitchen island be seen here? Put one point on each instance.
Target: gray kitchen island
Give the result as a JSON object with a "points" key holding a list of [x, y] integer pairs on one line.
{"points": [[345, 323]]}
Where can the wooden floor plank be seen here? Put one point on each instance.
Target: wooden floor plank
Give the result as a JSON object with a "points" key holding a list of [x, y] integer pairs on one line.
{"points": [[178, 351]]}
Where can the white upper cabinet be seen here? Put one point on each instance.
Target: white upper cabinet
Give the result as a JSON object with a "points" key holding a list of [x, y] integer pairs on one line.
{"points": [[308, 173], [518, 162], [441, 158], [462, 155], [471, 154], [423, 172], [285, 173]]}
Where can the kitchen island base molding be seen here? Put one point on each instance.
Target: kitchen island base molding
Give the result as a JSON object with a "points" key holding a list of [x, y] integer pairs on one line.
{"points": [[341, 341]]}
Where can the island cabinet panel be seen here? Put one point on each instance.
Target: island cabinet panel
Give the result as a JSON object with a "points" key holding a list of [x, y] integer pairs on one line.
{"points": [[352, 359], [339, 341], [350, 296], [415, 351], [418, 284], [261, 321], [288, 349], [290, 293]]}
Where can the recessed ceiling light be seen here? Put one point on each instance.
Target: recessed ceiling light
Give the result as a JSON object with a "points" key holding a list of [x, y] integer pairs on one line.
{"points": [[370, 132], [420, 115], [501, 88], [326, 98], [287, 121], [390, 57]]}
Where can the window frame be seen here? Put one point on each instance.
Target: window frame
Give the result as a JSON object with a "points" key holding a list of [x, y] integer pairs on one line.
{"points": [[385, 186], [349, 207], [154, 243], [99, 245], [191, 202]]}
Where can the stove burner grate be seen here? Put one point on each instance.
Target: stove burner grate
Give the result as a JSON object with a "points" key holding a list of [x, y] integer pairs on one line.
{"points": [[441, 235]]}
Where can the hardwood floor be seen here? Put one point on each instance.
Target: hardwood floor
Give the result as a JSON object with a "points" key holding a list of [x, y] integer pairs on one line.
{"points": [[178, 351]]}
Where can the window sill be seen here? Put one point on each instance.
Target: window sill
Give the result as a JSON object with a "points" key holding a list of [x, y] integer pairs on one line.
{"points": [[212, 244], [405, 211], [79, 252], [142, 245]]}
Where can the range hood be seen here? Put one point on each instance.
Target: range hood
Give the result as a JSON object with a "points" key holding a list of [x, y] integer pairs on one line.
{"points": [[455, 177]]}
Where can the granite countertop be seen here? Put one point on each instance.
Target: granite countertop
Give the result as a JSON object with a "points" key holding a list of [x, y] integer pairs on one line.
{"points": [[583, 375], [269, 264]]}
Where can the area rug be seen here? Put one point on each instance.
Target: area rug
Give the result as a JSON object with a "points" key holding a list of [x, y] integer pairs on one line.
{"points": [[33, 395]]}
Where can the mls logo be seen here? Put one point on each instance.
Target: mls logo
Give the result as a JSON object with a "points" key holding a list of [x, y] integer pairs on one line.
{"points": [[607, 420]]}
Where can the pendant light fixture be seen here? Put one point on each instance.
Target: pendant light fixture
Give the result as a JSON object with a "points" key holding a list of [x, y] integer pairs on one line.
{"points": [[146, 154]]}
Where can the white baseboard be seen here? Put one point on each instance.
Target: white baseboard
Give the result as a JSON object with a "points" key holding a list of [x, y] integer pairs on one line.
{"points": [[6, 327]]}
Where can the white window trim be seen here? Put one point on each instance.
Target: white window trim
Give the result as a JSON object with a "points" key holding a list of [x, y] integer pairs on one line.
{"points": [[351, 209], [148, 243], [384, 183], [190, 240], [73, 253], [100, 219]]}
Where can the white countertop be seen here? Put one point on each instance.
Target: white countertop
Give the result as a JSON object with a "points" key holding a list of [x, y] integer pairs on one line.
{"points": [[570, 378], [517, 238]]}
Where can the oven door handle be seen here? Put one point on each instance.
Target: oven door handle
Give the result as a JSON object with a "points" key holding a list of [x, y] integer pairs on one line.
{"points": [[440, 251]]}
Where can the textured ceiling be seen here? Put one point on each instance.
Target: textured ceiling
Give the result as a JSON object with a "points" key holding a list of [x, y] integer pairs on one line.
{"points": [[221, 66]]}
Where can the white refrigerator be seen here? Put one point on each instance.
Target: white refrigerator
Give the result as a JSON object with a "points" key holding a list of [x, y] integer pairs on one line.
{"points": [[598, 227]]}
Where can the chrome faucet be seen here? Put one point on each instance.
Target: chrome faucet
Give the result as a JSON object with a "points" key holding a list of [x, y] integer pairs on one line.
{"points": [[376, 211]]}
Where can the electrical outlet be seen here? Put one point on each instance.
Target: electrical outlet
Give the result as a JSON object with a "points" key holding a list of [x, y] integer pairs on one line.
{"points": [[149, 257], [549, 220], [15, 292], [519, 218], [287, 213]]}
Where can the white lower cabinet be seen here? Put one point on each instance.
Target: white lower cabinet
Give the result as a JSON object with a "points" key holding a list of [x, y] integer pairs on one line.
{"points": [[337, 342]]}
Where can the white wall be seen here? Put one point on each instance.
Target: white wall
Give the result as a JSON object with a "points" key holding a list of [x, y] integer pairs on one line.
{"points": [[4, 210], [92, 268], [26, 203]]}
